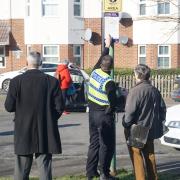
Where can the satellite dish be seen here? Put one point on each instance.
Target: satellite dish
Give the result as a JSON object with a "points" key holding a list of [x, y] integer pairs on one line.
{"points": [[124, 15], [88, 34], [123, 39]]}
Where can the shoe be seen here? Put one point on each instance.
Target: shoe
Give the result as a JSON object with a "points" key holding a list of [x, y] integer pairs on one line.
{"points": [[93, 176], [65, 113], [106, 177]]}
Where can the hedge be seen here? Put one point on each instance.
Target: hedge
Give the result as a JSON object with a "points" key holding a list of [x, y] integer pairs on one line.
{"points": [[128, 71]]}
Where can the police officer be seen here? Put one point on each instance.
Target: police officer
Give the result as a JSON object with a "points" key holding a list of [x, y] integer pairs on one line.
{"points": [[102, 100]]}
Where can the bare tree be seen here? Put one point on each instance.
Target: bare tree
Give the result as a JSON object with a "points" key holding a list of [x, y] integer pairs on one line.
{"points": [[172, 17]]}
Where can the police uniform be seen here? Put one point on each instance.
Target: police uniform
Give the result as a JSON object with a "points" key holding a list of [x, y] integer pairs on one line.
{"points": [[102, 96]]}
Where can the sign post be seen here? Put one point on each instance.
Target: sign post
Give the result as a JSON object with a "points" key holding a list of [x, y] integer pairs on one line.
{"points": [[113, 171], [111, 9]]}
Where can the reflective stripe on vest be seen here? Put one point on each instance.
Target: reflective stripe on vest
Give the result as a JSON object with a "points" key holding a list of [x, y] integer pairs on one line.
{"points": [[97, 83]]}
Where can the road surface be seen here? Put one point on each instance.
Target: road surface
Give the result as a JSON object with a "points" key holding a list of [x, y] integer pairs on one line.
{"points": [[75, 139]]}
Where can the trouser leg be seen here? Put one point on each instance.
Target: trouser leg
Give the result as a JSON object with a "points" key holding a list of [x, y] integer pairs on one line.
{"points": [[138, 163], [149, 157], [22, 167], [44, 162], [107, 143], [64, 95], [93, 152]]}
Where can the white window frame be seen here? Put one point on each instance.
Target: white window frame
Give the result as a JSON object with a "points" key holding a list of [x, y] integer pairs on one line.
{"points": [[142, 2], [165, 56], [80, 4], [3, 56], [55, 2], [163, 2], [141, 55], [28, 7], [51, 55], [77, 55], [28, 49]]}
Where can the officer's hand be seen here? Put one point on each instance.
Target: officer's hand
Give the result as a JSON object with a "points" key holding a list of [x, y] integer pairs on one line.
{"points": [[108, 41]]}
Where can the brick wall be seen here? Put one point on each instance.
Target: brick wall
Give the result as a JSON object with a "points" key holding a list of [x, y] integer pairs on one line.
{"points": [[36, 47], [16, 39], [66, 52], [152, 55], [175, 55], [92, 51], [124, 55]]}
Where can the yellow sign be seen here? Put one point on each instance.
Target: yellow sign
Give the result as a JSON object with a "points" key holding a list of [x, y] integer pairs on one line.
{"points": [[112, 5]]}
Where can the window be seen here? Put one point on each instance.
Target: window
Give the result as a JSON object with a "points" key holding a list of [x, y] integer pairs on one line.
{"points": [[163, 57], [77, 54], [50, 7], [51, 53], [77, 7], [142, 54], [28, 7], [2, 56], [163, 7], [142, 7]]}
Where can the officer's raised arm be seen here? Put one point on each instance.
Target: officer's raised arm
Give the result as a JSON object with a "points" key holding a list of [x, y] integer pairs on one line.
{"points": [[105, 52]]}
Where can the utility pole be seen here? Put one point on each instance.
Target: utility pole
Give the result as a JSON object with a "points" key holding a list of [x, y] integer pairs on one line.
{"points": [[110, 26], [113, 161]]}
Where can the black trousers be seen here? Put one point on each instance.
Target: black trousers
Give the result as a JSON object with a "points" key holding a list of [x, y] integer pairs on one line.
{"points": [[102, 142], [23, 165]]}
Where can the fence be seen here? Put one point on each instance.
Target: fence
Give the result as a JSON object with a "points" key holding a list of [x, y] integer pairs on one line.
{"points": [[165, 83]]}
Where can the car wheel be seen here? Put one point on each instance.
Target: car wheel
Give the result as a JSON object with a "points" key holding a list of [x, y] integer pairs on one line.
{"points": [[178, 149], [5, 84]]}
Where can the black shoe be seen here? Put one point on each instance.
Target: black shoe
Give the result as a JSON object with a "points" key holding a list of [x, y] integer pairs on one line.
{"points": [[106, 177], [93, 176]]}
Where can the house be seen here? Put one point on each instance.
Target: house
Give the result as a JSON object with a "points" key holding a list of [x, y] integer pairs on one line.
{"points": [[56, 28]]}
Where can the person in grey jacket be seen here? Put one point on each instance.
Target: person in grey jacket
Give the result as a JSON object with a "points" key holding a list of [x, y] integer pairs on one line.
{"points": [[144, 105], [37, 101]]}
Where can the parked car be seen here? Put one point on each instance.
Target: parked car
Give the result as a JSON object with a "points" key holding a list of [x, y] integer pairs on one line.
{"points": [[175, 94], [48, 67], [172, 137], [76, 102], [6, 77]]}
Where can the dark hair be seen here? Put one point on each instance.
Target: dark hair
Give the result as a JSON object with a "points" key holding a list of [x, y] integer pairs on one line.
{"points": [[143, 71], [107, 63]]}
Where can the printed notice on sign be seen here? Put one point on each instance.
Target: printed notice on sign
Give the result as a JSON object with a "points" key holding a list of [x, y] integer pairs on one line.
{"points": [[111, 22], [112, 5]]}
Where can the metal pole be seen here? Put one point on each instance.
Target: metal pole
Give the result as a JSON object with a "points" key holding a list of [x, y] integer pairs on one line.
{"points": [[113, 161]]}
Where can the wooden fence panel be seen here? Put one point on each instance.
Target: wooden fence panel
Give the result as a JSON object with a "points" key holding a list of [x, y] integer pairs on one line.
{"points": [[165, 83]]}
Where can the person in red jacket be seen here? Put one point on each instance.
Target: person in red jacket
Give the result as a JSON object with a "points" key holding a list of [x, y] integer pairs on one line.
{"points": [[63, 74]]}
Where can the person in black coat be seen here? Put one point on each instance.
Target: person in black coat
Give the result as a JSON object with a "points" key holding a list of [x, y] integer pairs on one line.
{"points": [[37, 102]]}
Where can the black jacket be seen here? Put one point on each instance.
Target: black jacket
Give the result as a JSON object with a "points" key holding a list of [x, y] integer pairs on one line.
{"points": [[37, 102], [145, 104], [110, 90]]}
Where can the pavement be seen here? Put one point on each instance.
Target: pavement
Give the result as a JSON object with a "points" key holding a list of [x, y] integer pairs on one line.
{"points": [[75, 140]]}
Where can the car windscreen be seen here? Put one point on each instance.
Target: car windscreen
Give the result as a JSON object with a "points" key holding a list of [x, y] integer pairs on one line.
{"points": [[76, 76], [46, 65]]}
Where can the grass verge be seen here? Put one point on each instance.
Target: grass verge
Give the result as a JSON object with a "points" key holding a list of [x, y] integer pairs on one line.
{"points": [[121, 175]]}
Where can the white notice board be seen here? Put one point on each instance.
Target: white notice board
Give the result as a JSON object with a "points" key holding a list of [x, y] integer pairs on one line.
{"points": [[111, 25]]}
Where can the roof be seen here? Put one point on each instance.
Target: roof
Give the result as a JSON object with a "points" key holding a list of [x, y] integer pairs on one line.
{"points": [[4, 33]]}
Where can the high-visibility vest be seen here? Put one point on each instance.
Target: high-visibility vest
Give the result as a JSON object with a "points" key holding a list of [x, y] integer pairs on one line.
{"points": [[97, 83]]}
